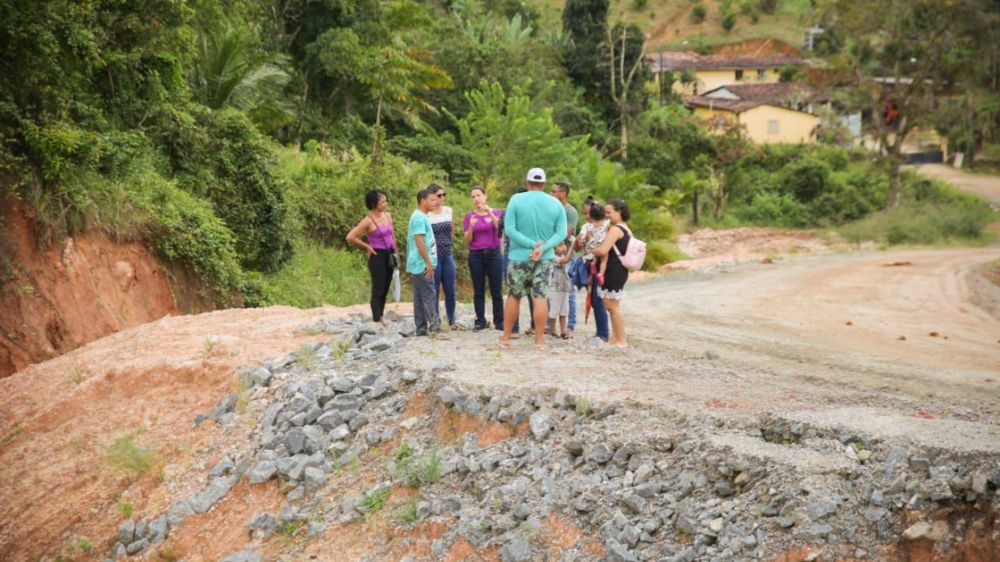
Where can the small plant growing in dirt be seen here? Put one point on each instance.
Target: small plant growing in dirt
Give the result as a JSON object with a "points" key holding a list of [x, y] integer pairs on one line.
{"points": [[75, 375], [408, 514], [165, 554], [125, 508], [85, 545], [430, 472], [207, 345], [125, 455], [583, 406], [376, 500], [241, 389], [306, 357], [288, 531]]}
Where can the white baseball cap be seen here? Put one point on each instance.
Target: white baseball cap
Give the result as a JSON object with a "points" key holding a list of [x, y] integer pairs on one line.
{"points": [[536, 175]]}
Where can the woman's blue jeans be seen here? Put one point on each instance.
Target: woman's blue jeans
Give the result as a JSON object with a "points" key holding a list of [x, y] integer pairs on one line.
{"points": [[487, 265], [600, 313], [445, 275]]}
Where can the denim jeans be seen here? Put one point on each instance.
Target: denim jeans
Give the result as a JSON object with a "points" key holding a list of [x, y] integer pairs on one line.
{"points": [[445, 275], [487, 265], [571, 321], [600, 313]]}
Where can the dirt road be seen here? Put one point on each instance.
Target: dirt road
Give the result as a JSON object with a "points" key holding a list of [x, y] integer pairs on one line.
{"points": [[840, 341], [987, 187]]}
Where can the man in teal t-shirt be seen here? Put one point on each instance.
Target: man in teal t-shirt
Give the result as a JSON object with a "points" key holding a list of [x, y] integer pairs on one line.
{"points": [[535, 223], [421, 260]]}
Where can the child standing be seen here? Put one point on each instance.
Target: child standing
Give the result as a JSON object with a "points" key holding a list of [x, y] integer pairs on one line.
{"points": [[559, 289]]}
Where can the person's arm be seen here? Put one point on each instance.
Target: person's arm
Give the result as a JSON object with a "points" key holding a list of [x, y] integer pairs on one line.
{"points": [[560, 232], [468, 223], [609, 241], [353, 237], [422, 249], [510, 228]]}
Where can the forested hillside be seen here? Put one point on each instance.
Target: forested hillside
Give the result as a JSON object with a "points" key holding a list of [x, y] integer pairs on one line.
{"points": [[237, 138]]}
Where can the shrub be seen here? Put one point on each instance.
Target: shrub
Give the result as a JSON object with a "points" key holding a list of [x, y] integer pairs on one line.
{"points": [[638, 5], [729, 22], [129, 457], [768, 6], [778, 209], [698, 13]]}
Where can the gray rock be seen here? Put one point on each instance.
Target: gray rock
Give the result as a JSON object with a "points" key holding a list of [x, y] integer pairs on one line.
{"points": [[447, 395], [299, 403], [223, 467], [617, 552], [141, 529], [342, 385], [541, 424], [634, 502], [343, 403], [264, 471], [271, 414], [203, 501], [137, 547], [295, 440], [785, 522], [648, 490], [410, 376], [922, 464], [339, 432], [126, 532], [385, 342], [819, 509], [516, 549], [159, 529], [329, 420], [242, 556], [685, 525], [263, 525], [120, 551], [600, 454], [179, 511], [574, 447], [314, 477]]}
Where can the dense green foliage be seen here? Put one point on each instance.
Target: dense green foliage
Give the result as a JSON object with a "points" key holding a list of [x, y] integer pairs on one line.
{"points": [[238, 137]]}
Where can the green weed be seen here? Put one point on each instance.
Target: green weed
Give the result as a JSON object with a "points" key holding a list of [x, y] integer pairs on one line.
{"points": [[306, 357], [207, 345], [11, 435], [125, 508], [430, 472], [85, 545], [408, 514], [583, 406], [375, 501], [125, 455]]}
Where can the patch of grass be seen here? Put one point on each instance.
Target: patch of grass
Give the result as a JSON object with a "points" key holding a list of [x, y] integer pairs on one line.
{"points": [[430, 471], [306, 357], [946, 223], [75, 375], [319, 275], [11, 435], [85, 545], [405, 452], [125, 508], [241, 388], [583, 406], [165, 554], [375, 501], [207, 345], [408, 513], [125, 455]]}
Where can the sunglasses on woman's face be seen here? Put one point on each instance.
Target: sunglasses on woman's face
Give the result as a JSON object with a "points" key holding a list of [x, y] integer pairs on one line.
{"points": [[442, 194]]}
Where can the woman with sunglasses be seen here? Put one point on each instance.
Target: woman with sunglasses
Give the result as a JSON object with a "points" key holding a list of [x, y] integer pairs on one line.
{"points": [[381, 247], [482, 228], [443, 224]]}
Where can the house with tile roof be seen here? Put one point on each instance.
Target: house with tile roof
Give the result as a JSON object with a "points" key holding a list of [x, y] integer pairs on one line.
{"points": [[768, 112], [691, 73]]}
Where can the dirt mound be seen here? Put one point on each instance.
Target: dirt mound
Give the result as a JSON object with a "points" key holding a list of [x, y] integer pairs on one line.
{"points": [[709, 247], [59, 419], [57, 298]]}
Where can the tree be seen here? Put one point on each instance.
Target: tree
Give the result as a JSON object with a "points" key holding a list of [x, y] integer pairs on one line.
{"points": [[585, 25], [232, 70], [899, 57], [505, 134], [627, 59]]}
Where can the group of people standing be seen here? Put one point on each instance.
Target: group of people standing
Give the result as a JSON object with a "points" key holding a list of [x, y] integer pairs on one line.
{"points": [[533, 247]]}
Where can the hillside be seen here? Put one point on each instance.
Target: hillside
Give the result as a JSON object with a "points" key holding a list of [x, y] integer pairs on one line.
{"points": [[669, 24]]}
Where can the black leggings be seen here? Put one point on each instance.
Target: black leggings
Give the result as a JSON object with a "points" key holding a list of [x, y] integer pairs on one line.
{"points": [[381, 271]]}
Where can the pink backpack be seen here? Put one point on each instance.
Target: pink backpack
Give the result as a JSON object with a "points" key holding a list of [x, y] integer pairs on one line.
{"points": [[635, 252]]}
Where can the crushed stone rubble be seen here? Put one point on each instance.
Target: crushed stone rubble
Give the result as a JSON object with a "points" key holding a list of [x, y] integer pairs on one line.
{"points": [[666, 494]]}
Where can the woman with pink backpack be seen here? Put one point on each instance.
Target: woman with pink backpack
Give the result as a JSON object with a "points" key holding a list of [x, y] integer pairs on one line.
{"points": [[619, 257]]}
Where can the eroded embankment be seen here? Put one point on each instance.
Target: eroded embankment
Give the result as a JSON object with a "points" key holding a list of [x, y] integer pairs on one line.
{"points": [[345, 452]]}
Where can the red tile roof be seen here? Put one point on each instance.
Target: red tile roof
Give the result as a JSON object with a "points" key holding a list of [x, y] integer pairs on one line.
{"points": [[782, 94], [686, 60]]}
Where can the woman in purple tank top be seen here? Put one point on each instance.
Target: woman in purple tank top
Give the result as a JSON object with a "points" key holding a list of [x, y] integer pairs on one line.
{"points": [[482, 228], [381, 247]]}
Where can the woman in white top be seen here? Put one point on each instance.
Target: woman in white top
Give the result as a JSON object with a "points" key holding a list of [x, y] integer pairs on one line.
{"points": [[443, 224]]}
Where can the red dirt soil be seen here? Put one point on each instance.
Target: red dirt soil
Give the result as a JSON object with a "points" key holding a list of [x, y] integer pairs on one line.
{"points": [[55, 299], [57, 419]]}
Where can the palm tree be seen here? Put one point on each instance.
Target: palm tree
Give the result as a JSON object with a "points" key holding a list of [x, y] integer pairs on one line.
{"points": [[231, 70]]}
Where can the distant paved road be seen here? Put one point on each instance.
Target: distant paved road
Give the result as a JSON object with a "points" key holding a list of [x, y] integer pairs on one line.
{"points": [[987, 187]]}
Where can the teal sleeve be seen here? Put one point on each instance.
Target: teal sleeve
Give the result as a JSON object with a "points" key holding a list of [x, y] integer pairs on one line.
{"points": [[560, 233], [510, 227]]}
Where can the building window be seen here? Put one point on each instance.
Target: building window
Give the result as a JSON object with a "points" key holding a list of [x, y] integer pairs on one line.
{"points": [[739, 75], [772, 127], [761, 73]]}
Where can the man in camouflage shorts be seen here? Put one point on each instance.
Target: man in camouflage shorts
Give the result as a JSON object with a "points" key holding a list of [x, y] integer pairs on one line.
{"points": [[535, 222]]}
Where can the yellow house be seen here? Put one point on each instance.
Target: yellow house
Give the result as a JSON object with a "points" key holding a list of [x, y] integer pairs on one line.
{"points": [[694, 73], [769, 113]]}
